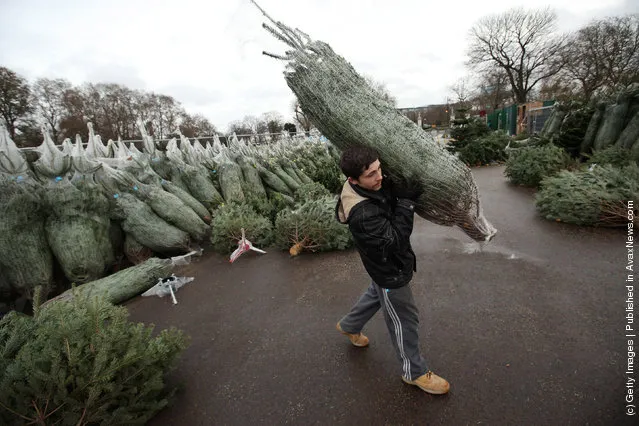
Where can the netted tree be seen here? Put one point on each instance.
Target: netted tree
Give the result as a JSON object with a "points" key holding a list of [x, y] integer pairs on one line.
{"points": [[346, 109]]}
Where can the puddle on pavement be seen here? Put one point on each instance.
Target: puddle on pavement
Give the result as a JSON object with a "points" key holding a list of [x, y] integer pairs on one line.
{"points": [[451, 245]]}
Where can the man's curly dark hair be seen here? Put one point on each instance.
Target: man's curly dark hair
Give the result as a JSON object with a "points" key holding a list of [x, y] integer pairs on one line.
{"points": [[356, 159]]}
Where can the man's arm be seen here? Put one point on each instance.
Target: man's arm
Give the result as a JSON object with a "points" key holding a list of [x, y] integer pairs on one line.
{"points": [[381, 235]]}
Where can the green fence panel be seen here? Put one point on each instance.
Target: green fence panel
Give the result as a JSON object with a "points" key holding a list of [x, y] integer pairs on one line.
{"points": [[493, 120]]}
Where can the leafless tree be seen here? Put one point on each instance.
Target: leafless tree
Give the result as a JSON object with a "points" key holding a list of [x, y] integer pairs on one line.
{"points": [[196, 125], [253, 123], [462, 91], [558, 88], [381, 89], [274, 122], [521, 43], [301, 118], [621, 50], [492, 90], [604, 55], [14, 99], [114, 110], [249, 125], [74, 122], [269, 122], [48, 97], [118, 113], [239, 128], [167, 112], [583, 62]]}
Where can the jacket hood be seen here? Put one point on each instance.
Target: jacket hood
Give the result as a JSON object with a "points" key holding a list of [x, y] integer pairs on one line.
{"points": [[348, 199], [352, 195]]}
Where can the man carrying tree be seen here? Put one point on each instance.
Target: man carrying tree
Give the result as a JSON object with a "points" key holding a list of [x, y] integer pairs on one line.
{"points": [[380, 218]]}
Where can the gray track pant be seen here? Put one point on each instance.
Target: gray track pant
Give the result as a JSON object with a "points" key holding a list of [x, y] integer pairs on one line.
{"points": [[402, 319]]}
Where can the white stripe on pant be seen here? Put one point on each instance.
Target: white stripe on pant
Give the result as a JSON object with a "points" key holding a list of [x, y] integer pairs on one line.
{"points": [[398, 333], [402, 320]]}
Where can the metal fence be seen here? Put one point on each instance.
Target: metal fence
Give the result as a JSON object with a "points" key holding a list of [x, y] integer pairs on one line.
{"points": [[254, 138], [536, 118]]}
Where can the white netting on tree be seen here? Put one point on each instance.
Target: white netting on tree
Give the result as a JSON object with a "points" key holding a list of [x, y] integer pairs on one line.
{"points": [[347, 110]]}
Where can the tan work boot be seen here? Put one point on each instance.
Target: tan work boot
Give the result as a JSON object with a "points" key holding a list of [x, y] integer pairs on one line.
{"points": [[430, 382], [358, 339]]}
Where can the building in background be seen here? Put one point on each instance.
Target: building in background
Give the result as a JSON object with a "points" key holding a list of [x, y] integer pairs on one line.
{"points": [[512, 119], [523, 118], [428, 116]]}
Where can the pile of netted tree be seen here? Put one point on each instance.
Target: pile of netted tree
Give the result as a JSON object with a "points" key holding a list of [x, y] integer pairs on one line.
{"points": [[585, 128], [77, 360], [88, 211], [584, 162]]}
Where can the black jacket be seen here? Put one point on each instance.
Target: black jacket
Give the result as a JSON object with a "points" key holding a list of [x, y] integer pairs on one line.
{"points": [[381, 226]]}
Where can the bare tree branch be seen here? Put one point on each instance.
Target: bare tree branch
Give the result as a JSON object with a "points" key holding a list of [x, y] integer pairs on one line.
{"points": [[521, 43]]}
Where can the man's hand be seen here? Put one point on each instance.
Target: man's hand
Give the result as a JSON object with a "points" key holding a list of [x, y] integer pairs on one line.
{"points": [[407, 190]]}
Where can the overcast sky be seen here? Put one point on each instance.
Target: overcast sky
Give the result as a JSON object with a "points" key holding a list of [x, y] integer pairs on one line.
{"points": [[208, 54]]}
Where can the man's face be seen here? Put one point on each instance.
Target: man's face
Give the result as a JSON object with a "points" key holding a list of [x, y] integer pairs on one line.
{"points": [[371, 179]]}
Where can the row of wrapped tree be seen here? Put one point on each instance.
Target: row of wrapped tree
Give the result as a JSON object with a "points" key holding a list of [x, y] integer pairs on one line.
{"points": [[585, 128], [93, 209]]}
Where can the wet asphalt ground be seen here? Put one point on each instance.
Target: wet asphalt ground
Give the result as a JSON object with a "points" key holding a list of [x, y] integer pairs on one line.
{"points": [[528, 331]]}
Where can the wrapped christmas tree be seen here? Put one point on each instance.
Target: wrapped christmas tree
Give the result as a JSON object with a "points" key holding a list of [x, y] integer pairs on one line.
{"points": [[347, 110], [77, 228], [25, 258]]}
